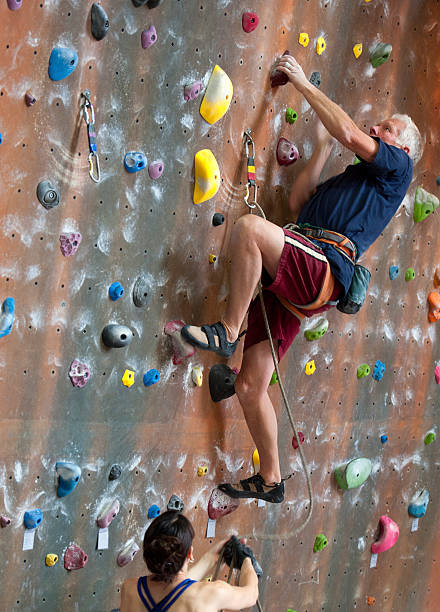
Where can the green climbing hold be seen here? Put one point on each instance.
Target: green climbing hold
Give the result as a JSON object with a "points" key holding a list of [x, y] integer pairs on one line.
{"points": [[320, 542], [318, 330], [380, 54], [356, 161], [353, 474], [291, 115], [274, 379], [363, 370], [429, 438], [410, 274], [425, 203]]}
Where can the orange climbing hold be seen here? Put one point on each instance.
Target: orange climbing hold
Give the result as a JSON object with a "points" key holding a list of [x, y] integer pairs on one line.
{"points": [[370, 600], [434, 306]]}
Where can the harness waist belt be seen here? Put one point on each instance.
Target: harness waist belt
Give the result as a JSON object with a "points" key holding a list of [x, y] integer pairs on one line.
{"points": [[343, 244]]}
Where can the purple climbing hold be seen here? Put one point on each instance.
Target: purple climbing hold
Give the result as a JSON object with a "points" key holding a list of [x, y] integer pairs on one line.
{"points": [[148, 37], [287, 153], [29, 99], [277, 77], [79, 374], [155, 169], [69, 243], [14, 5], [192, 91]]}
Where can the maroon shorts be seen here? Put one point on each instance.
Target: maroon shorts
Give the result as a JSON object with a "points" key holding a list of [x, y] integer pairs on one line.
{"points": [[299, 278]]}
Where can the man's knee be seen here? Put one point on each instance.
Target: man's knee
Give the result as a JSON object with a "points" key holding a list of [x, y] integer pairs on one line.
{"points": [[249, 225], [248, 387]]}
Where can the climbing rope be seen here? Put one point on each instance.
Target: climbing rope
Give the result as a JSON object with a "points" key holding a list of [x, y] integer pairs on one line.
{"points": [[86, 105]]}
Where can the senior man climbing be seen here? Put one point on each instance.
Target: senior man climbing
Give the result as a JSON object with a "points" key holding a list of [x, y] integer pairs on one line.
{"points": [[301, 265]]}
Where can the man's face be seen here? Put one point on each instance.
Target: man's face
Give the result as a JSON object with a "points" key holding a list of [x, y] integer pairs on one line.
{"points": [[388, 131]]}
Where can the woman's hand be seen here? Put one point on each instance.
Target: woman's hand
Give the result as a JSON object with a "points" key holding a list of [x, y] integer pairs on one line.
{"points": [[292, 69]]}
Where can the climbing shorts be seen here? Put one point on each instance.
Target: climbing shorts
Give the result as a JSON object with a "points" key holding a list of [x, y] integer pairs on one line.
{"points": [[299, 278]]}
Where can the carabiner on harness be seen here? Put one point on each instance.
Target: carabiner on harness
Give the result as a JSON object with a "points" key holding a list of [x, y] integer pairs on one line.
{"points": [[251, 184], [87, 106]]}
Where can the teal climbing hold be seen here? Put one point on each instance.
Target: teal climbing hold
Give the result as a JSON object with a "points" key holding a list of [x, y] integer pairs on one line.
{"points": [[394, 272], [353, 474], [7, 316], [419, 503], [68, 477]]}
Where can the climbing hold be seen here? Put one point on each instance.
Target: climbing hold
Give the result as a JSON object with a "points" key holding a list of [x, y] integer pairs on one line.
{"points": [[108, 513], [202, 470], [1, 138], [363, 370], [221, 504], [155, 169], [151, 377], [128, 378], [256, 461], [295, 441], [148, 37], [287, 153], [141, 292], [212, 258], [135, 161], [153, 511], [310, 367], [51, 559], [5, 521], [437, 180], [127, 553], [218, 219], [249, 22], [410, 274], [62, 62], [182, 349], [175, 503], [393, 272], [318, 330], [207, 176], [79, 374], [218, 96], [69, 243], [315, 79], [419, 503], [192, 90], [33, 518], [320, 543], [221, 382], [274, 378], [68, 477], [429, 438], [153, 3], [14, 5], [353, 474], [320, 45], [379, 370], [197, 375], [74, 557], [425, 203], [437, 374], [277, 77], [115, 472], [380, 54], [7, 316], [357, 50], [303, 39], [117, 336], [48, 195], [29, 99], [384, 438], [434, 306], [388, 535], [100, 22], [436, 280], [370, 600], [115, 291], [291, 115]]}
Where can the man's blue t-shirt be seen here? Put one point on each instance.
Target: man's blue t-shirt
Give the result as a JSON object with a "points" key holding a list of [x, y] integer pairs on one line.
{"points": [[359, 203]]}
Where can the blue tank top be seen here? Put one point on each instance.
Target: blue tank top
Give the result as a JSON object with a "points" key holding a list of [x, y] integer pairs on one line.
{"points": [[165, 603]]}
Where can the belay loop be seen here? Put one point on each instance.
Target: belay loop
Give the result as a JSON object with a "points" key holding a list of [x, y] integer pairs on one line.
{"points": [[93, 158]]}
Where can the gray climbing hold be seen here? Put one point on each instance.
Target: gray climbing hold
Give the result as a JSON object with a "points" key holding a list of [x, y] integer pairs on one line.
{"points": [[218, 219], [48, 195], [141, 292], [117, 336], [115, 472], [100, 22], [175, 503], [315, 79]]}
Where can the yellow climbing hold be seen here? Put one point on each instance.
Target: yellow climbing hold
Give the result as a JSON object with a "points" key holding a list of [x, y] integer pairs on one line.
{"points": [[256, 461], [303, 39], [207, 176], [51, 559], [218, 96], [128, 378], [202, 470], [310, 367], [212, 258], [357, 50], [197, 375], [320, 45]]}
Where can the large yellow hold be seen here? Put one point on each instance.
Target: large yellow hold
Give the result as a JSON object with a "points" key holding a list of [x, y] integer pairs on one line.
{"points": [[207, 176], [218, 96]]}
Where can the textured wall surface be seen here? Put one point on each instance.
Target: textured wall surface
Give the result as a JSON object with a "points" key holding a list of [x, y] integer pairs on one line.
{"points": [[132, 225]]}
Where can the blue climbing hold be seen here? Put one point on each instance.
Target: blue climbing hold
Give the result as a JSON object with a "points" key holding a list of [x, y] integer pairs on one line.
{"points": [[394, 272], [151, 377], [419, 503], [116, 291], [384, 438], [7, 316], [379, 370], [153, 511], [62, 62], [1, 138], [437, 180], [32, 518], [68, 477], [135, 161]]}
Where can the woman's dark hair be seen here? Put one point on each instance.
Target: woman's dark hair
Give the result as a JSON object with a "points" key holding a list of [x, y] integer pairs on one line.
{"points": [[166, 545]]}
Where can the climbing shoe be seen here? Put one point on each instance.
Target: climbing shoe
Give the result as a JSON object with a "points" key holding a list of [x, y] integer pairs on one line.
{"points": [[255, 487], [213, 332]]}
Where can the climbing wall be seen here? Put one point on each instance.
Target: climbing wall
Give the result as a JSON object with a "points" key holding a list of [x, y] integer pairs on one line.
{"points": [[132, 226]]}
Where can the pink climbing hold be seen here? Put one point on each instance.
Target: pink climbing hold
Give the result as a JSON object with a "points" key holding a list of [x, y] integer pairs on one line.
{"points": [[388, 535], [295, 441], [182, 349], [14, 5], [437, 374], [74, 557], [287, 153], [155, 169], [221, 504], [249, 21], [108, 513], [192, 91], [277, 77], [69, 243], [148, 37], [4, 521], [79, 374], [127, 554]]}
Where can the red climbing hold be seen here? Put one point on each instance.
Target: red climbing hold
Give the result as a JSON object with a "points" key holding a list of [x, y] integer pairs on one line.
{"points": [[437, 374], [295, 441], [182, 350], [221, 504], [249, 21], [277, 77], [287, 153], [74, 557]]}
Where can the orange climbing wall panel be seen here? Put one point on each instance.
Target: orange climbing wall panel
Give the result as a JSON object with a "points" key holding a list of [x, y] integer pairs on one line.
{"points": [[133, 225]]}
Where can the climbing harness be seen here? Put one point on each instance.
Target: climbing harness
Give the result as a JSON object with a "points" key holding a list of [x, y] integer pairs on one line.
{"points": [[340, 242], [91, 134]]}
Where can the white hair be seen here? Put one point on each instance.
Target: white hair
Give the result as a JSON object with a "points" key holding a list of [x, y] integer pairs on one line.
{"points": [[410, 137]]}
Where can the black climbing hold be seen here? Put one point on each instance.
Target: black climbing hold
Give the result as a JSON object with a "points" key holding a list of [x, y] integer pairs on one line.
{"points": [[141, 292], [115, 472], [218, 219], [48, 195], [175, 503], [117, 336], [100, 23], [221, 382], [315, 79], [140, 2], [153, 3]]}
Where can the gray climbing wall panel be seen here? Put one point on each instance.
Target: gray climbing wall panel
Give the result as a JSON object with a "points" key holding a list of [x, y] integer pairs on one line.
{"points": [[131, 225]]}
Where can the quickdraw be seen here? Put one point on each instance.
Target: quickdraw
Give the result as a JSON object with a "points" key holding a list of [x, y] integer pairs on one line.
{"points": [[91, 134], [251, 184]]}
